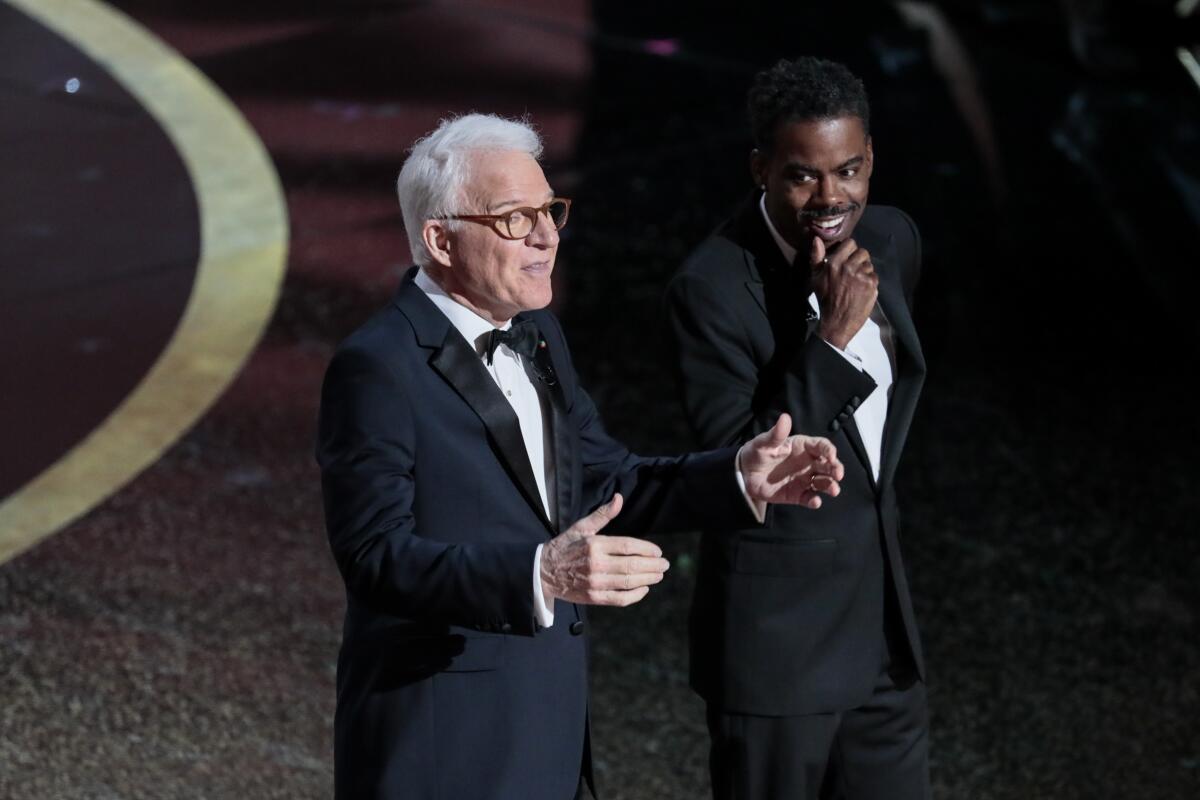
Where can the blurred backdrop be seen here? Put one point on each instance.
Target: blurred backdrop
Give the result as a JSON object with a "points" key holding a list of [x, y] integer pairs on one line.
{"points": [[177, 636]]}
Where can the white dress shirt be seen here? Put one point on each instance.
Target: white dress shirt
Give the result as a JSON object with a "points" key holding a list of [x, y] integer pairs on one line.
{"points": [[871, 350]]}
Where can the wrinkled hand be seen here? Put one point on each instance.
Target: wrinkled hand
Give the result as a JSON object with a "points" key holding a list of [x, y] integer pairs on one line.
{"points": [[846, 287], [580, 567], [793, 470]]}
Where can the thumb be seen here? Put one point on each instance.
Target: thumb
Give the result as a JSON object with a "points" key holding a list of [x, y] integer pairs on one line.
{"points": [[613, 507], [817, 251], [594, 522], [783, 426]]}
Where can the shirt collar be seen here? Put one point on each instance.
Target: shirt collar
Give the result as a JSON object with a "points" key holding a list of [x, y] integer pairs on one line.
{"points": [[466, 321], [789, 252]]}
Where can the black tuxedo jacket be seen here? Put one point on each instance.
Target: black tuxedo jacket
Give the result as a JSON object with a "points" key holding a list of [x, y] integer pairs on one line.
{"points": [[796, 619], [446, 686]]}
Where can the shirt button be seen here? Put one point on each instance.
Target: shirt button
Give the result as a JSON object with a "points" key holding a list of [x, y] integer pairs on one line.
{"points": [[509, 392]]}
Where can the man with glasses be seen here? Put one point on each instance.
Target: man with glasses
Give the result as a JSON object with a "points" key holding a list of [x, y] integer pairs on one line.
{"points": [[466, 476]]}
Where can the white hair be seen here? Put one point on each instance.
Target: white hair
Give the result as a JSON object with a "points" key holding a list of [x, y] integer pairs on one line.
{"points": [[431, 181]]}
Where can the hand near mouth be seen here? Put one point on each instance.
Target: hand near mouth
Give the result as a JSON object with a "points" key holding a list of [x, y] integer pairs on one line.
{"points": [[846, 286]]}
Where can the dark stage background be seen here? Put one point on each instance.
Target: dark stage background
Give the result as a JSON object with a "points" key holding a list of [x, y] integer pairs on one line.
{"points": [[180, 640]]}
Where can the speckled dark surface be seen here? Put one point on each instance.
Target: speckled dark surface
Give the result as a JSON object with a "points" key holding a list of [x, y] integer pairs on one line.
{"points": [[180, 640]]}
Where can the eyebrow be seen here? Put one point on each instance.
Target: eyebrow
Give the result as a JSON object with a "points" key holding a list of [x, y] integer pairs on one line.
{"points": [[798, 167], [497, 206]]}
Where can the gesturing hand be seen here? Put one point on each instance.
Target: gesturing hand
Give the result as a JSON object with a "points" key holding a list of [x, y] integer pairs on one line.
{"points": [[846, 287], [793, 470], [581, 567]]}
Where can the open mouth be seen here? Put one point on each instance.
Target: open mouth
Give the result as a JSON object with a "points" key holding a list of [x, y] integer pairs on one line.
{"points": [[828, 228], [828, 223]]}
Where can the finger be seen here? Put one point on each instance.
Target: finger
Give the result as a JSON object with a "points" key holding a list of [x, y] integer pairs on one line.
{"points": [[862, 267], [595, 521], [616, 597], [798, 487], [817, 454], [627, 546], [819, 448], [779, 432], [600, 563], [805, 498], [832, 469], [816, 253], [624, 583], [632, 596], [841, 252], [826, 485], [631, 565], [838, 470], [826, 462]]}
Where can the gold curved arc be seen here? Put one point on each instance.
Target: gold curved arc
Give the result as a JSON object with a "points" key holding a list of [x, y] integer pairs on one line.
{"points": [[243, 253]]}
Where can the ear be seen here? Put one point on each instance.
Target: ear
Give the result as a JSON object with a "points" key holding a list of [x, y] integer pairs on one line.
{"points": [[758, 167], [869, 166], [437, 241]]}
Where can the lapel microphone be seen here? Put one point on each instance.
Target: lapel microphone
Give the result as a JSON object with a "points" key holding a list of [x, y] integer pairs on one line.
{"points": [[543, 370], [539, 361]]}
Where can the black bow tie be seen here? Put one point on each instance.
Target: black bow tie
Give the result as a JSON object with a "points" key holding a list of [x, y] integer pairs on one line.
{"points": [[522, 338]]}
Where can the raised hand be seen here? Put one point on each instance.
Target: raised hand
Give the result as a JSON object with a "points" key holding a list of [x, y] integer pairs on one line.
{"points": [[846, 286], [580, 567], [793, 470]]}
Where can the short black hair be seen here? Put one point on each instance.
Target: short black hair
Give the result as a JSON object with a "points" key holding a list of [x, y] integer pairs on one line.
{"points": [[805, 89]]}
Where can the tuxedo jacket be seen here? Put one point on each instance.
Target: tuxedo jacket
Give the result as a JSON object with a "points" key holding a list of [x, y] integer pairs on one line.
{"points": [[800, 617], [446, 686]]}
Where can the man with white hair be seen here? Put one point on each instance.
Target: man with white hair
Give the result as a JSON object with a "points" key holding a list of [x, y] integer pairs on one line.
{"points": [[466, 475]]}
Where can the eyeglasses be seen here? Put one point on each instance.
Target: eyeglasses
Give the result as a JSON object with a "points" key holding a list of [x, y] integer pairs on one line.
{"points": [[520, 222]]}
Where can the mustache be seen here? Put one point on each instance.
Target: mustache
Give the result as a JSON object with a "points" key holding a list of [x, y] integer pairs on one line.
{"points": [[825, 213]]}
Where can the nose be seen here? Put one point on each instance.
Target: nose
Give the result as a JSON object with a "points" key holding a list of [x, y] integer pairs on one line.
{"points": [[544, 234], [829, 190]]}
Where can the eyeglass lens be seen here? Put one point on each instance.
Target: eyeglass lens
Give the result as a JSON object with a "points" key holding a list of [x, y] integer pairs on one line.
{"points": [[521, 221]]}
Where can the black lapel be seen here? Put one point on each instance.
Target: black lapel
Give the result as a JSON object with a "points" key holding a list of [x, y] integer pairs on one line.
{"points": [[780, 289], [910, 362], [860, 450], [891, 300], [560, 483], [458, 363], [765, 264]]}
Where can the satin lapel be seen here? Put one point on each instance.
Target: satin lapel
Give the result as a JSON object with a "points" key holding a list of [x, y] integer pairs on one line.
{"points": [[860, 450], [849, 427], [765, 264], [755, 287], [564, 445], [780, 289], [462, 368], [910, 363]]}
